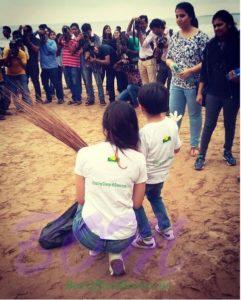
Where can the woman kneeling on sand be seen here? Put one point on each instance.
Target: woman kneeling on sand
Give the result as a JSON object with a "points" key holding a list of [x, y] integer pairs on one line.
{"points": [[110, 181]]}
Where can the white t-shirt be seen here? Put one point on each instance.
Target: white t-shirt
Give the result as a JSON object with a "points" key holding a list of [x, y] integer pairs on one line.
{"points": [[146, 49], [108, 208], [158, 142]]}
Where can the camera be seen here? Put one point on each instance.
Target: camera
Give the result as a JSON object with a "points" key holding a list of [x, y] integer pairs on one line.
{"points": [[158, 51], [65, 30], [127, 65], [86, 35], [137, 25]]}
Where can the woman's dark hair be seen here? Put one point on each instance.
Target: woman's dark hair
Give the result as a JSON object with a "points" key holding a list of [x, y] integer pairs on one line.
{"points": [[121, 125], [189, 9], [227, 18], [106, 36], [74, 25]]}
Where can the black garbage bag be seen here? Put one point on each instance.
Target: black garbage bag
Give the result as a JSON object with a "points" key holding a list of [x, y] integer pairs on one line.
{"points": [[59, 232]]}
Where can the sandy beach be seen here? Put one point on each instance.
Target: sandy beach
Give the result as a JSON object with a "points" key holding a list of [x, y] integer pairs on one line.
{"points": [[37, 185]]}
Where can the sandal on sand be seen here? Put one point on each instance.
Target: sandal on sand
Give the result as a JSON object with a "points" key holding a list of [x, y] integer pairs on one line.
{"points": [[194, 151]]}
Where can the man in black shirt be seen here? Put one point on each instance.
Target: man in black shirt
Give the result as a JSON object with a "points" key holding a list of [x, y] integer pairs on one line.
{"points": [[106, 55], [88, 42], [32, 69]]}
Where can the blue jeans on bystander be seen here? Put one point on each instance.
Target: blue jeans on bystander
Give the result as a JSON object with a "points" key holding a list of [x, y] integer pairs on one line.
{"points": [[130, 93], [179, 97], [73, 77], [88, 71]]}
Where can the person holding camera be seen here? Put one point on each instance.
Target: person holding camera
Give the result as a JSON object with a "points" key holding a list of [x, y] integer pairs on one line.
{"points": [[147, 61], [71, 63], [76, 33], [88, 42], [48, 62], [134, 81], [120, 46], [15, 60], [162, 41], [32, 68]]}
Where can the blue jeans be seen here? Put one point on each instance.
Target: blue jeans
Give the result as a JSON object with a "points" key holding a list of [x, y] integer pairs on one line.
{"points": [[179, 97], [92, 241], [153, 194], [130, 93], [52, 76], [73, 76], [87, 71], [19, 84]]}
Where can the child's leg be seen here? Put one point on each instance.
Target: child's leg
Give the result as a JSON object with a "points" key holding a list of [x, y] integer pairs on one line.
{"points": [[144, 227], [153, 193]]}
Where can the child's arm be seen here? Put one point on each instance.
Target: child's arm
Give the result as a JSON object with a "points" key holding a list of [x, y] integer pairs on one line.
{"points": [[80, 189], [138, 194]]}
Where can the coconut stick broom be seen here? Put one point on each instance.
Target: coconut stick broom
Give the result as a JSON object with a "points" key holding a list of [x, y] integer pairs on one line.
{"points": [[50, 122]]}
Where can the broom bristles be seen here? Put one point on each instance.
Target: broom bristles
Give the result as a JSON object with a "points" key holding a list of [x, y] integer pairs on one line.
{"points": [[50, 122]]}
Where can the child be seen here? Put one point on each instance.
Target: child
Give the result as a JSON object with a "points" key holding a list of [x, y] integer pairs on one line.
{"points": [[159, 141], [110, 181]]}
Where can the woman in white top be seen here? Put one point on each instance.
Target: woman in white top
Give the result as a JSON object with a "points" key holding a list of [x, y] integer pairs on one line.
{"points": [[110, 182]]}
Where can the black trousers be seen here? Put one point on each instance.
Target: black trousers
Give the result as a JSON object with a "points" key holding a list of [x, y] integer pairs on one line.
{"points": [[52, 75], [122, 82], [4, 99], [214, 105], [32, 71], [164, 74]]}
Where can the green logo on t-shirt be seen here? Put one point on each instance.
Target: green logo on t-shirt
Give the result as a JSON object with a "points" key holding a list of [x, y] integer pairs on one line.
{"points": [[112, 158], [166, 139]]}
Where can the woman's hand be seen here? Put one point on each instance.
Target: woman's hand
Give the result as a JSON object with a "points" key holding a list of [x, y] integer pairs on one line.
{"points": [[199, 98], [185, 74]]}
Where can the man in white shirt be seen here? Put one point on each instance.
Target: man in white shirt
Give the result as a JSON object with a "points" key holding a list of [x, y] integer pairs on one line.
{"points": [[147, 62]]}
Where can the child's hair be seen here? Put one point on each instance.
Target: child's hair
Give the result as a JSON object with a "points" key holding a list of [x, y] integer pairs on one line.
{"points": [[153, 98], [121, 125]]}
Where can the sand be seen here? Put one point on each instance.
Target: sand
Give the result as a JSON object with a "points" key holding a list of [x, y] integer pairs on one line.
{"points": [[37, 185]]}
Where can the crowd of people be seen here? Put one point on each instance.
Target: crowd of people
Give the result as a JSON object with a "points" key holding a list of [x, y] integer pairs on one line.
{"points": [[196, 72]]}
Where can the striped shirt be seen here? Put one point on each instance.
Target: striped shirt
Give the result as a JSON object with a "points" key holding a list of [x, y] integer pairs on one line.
{"points": [[68, 58]]}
